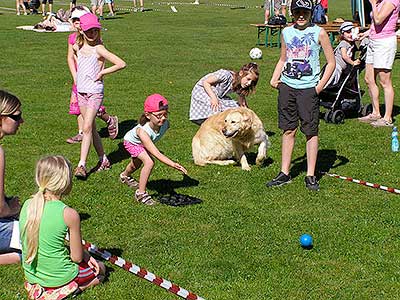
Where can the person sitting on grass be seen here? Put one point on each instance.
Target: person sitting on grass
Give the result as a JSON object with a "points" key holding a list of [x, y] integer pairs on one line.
{"points": [[10, 120], [296, 76], [211, 93], [44, 222], [139, 142]]}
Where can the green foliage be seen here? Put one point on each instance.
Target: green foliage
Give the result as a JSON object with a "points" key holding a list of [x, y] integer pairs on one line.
{"points": [[242, 241]]}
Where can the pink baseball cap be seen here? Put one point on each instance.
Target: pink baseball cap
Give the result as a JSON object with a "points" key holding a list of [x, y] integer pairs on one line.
{"points": [[89, 21], [155, 102]]}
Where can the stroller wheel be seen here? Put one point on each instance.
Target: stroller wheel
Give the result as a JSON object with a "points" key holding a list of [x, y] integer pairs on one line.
{"points": [[366, 110], [328, 116], [338, 117]]}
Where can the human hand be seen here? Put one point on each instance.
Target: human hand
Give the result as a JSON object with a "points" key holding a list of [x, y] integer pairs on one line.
{"points": [[274, 83], [99, 76], [93, 264], [215, 105], [179, 168], [318, 89], [10, 208], [356, 62]]}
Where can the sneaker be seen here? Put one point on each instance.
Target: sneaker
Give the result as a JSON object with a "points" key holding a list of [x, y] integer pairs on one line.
{"points": [[369, 118], [18, 13], [142, 9], [144, 198], [103, 165], [101, 18], [25, 13], [382, 123], [80, 172], [311, 183], [75, 139], [110, 14], [129, 181], [279, 180], [135, 9], [112, 127]]}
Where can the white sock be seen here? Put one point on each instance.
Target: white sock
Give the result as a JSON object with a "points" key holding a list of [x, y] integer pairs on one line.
{"points": [[81, 163]]}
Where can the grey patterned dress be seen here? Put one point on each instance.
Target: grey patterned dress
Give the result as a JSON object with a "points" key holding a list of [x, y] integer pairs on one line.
{"points": [[200, 105]]}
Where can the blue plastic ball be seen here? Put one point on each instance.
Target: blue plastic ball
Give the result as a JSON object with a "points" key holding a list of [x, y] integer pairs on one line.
{"points": [[306, 241]]}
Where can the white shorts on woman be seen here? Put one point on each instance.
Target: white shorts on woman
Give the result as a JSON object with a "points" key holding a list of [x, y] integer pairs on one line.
{"points": [[381, 52]]}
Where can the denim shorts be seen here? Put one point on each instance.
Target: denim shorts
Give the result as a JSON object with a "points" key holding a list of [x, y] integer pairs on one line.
{"points": [[9, 235]]}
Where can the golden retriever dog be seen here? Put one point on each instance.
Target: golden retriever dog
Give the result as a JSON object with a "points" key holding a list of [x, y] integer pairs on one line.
{"points": [[229, 134]]}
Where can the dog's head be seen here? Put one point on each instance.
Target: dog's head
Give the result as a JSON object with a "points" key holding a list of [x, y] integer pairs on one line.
{"points": [[236, 123]]}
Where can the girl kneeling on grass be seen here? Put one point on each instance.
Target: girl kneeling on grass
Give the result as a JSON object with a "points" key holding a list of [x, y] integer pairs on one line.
{"points": [[211, 93], [91, 56], [139, 142], [44, 222]]}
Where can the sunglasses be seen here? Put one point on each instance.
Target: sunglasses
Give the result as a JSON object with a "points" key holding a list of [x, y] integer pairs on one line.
{"points": [[160, 116], [16, 118]]}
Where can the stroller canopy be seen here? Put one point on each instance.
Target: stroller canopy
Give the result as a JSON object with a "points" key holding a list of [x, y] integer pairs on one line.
{"points": [[361, 10]]}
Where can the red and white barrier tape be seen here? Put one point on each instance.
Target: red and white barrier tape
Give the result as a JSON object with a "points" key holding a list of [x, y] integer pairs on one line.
{"points": [[140, 272], [362, 182]]}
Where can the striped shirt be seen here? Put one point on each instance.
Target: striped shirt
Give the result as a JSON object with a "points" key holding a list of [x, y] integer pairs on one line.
{"points": [[87, 71]]}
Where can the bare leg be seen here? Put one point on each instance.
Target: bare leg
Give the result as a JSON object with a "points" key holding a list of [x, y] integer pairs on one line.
{"points": [[104, 116], [266, 16], [312, 153], [50, 8], [373, 90], [288, 141], [133, 165], [9, 258], [89, 127], [148, 164], [385, 77], [80, 123]]}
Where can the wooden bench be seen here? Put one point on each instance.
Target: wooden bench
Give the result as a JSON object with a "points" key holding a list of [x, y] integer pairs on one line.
{"points": [[272, 35]]}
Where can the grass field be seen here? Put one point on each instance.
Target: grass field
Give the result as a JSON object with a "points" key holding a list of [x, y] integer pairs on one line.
{"points": [[242, 241]]}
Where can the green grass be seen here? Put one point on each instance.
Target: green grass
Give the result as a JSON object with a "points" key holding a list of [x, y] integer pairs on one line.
{"points": [[242, 241]]}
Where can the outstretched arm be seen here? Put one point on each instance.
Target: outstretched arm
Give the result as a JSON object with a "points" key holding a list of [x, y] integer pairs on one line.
{"points": [[152, 149]]}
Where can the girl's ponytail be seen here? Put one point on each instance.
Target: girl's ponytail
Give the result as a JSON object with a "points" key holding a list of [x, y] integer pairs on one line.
{"points": [[31, 229], [53, 175]]}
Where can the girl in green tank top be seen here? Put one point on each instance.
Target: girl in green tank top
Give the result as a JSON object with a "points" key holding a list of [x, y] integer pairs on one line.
{"points": [[44, 222]]}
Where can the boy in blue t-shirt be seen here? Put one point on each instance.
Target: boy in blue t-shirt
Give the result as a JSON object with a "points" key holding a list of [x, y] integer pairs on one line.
{"points": [[296, 76]]}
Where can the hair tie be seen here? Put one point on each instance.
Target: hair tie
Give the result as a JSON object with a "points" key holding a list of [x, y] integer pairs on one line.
{"points": [[41, 189]]}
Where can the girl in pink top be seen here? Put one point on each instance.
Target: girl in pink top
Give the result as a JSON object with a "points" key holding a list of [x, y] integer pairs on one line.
{"points": [[91, 56], [381, 52], [111, 121]]}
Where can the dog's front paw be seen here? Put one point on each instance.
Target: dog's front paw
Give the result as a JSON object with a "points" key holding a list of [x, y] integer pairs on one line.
{"points": [[246, 168]]}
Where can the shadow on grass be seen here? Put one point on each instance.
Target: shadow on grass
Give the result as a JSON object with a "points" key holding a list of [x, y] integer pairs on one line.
{"points": [[123, 126], [251, 159], [166, 194], [327, 160], [118, 155], [84, 216]]}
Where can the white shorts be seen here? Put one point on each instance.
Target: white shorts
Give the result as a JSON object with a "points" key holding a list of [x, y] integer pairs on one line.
{"points": [[381, 52]]}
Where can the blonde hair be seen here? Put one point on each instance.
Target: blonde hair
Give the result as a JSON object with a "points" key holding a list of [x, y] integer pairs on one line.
{"points": [[53, 174], [9, 104]]}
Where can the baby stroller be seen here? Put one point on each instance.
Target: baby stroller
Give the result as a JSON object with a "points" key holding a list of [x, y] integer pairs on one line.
{"points": [[343, 99]]}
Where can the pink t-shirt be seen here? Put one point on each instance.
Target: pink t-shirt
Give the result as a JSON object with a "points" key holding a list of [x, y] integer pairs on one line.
{"points": [[72, 38], [388, 27]]}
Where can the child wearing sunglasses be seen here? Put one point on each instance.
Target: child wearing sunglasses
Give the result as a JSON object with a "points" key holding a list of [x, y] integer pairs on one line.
{"points": [[139, 142]]}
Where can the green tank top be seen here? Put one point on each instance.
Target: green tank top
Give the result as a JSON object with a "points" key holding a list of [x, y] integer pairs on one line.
{"points": [[52, 266]]}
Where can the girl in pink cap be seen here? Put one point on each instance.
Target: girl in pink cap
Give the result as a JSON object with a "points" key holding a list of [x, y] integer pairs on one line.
{"points": [[91, 56], [111, 121], [139, 142]]}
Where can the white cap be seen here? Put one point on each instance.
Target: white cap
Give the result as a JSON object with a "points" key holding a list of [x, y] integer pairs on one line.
{"points": [[78, 13]]}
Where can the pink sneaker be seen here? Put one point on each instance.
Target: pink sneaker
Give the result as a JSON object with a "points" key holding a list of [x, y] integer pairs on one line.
{"points": [[103, 165], [75, 139], [112, 127]]}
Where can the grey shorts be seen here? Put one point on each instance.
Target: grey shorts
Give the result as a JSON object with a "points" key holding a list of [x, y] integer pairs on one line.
{"points": [[276, 3], [9, 235], [296, 105], [96, 2]]}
